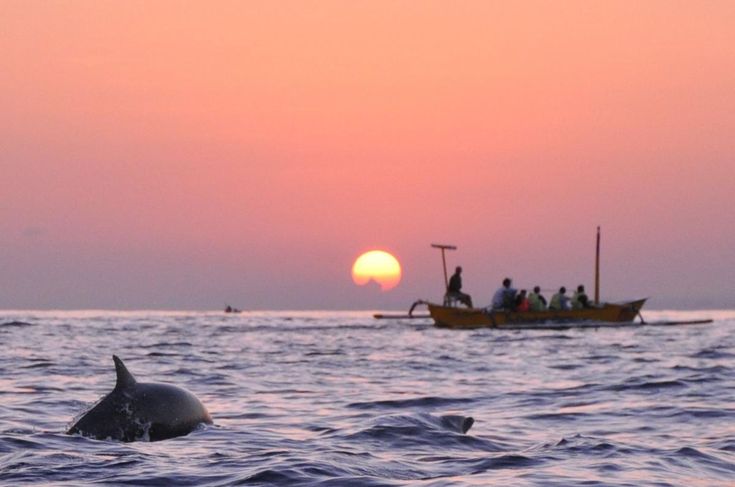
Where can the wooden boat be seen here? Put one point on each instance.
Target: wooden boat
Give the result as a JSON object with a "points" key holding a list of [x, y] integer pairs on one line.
{"points": [[448, 316], [454, 317], [600, 315], [610, 315]]}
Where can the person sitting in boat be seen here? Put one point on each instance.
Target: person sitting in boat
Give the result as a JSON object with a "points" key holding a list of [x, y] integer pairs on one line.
{"points": [[504, 298], [522, 303], [560, 301], [580, 299], [536, 300], [454, 290]]}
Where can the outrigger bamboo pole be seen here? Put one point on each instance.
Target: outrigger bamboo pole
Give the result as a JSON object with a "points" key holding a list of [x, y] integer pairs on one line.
{"points": [[597, 269], [444, 261]]}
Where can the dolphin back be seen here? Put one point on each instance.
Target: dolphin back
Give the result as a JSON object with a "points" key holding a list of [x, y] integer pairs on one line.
{"points": [[169, 411], [112, 418], [141, 411]]}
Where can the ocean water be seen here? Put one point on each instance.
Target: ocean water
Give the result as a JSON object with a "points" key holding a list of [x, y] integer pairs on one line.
{"points": [[338, 398]]}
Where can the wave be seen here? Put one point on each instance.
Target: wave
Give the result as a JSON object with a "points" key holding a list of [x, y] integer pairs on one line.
{"points": [[15, 324], [418, 402], [418, 432], [333, 399], [636, 385]]}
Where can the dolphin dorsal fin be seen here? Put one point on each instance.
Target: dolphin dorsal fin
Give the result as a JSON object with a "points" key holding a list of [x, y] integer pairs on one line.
{"points": [[125, 379]]}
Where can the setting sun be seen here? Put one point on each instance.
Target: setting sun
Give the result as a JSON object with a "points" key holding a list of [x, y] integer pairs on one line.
{"points": [[378, 266]]}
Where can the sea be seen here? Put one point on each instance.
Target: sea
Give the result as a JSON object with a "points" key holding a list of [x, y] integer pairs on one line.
{"points": [[341, 399]]}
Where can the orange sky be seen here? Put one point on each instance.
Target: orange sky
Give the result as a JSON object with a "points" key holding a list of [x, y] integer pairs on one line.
{"points": [[180, 155]]}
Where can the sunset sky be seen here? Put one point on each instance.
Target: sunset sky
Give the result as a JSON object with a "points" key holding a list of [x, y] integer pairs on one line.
{"points": [[184, 155]]}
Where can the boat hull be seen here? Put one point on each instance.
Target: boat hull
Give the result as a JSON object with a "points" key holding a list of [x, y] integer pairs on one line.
{"points": [[451, 317]]}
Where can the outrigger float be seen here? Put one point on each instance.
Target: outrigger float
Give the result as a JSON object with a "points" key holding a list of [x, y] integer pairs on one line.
{"points": [[600, 315]]}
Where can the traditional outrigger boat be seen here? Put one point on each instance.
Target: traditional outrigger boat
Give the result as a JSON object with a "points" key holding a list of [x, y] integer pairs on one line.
{"points": [[454, 317], [449, 315]]}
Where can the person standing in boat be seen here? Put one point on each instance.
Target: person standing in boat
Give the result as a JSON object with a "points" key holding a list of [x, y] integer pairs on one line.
{"points": [[504, 298], [580, 299], [454, 290], [536, 300], [560, 301]]}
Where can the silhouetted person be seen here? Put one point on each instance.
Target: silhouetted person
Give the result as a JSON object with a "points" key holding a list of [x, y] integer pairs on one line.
{"points": [[504, 298], [522, 303], [580, 299], [454, 290], [536, 301], [560, 301]]}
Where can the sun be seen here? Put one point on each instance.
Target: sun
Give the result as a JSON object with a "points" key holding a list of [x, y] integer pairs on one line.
{"points": [[378, 266]]}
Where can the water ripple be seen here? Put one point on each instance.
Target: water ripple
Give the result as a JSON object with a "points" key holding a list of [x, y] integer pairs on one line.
{"points": [[337, 398]]}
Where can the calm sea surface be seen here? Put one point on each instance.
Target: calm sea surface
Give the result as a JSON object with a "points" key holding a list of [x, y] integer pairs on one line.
{"points": [[333, 398]]}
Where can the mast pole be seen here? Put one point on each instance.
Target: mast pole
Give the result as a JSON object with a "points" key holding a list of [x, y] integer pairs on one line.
{"points": [[597, 269], [444, 261], [444, 265]]}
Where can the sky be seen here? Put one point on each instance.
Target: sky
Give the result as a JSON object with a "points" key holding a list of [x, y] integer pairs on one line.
{"points": [[184, 155]]}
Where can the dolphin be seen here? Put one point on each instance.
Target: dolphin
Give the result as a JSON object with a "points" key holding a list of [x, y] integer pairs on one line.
{"points": [[141, 411]]}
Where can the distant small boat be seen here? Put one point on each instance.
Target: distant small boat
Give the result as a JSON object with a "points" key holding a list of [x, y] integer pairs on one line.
{"points": [[230, 309]]}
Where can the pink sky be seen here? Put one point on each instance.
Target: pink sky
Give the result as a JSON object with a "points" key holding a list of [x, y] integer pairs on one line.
{"points": [[175, 155]]}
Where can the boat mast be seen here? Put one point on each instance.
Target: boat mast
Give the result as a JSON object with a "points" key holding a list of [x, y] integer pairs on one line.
{"points": [[597, 269], [444, 261]]}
